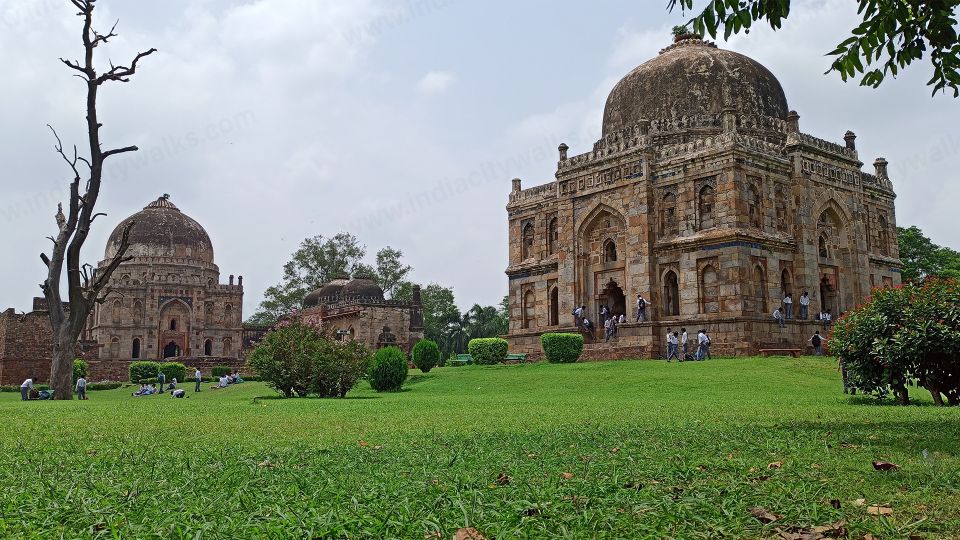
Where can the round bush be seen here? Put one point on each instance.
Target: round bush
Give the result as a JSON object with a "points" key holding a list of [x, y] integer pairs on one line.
{"points": [[426, 355], [487, 351], [562, 348], [174, 370], [79, 369], [143, 370], [388, 370]]}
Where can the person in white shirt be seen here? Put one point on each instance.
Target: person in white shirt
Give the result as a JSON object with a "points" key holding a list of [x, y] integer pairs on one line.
{"points": [[779, 318], [224, 382], [683, 341], [25, 389], [197, 376], [788, 305], [703, 345], [81, 388], [622, 319], [673, 340], [804, 305]]}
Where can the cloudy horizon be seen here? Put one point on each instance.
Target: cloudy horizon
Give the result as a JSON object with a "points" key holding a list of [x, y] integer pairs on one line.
{"points": [[269, 121]]}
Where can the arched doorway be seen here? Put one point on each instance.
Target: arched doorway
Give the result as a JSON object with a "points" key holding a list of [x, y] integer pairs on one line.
{"points": [[828, 295], [171, 350], [613, 297], [671, 294], [135, 353], [555, 306]]}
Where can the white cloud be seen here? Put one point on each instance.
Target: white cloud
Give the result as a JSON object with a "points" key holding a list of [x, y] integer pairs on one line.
{"points": [[436, 82]]}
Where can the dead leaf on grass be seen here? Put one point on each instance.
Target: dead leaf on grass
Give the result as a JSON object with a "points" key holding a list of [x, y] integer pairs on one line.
{"points": [[468, 533], [503, 479], [363, 444], [775, 465], [266, 464], [432, 535], [885, 466], [879, 510], [763, 515], [614, 450], [633, 485], [567, 475], [822, 532], [701, 468]]}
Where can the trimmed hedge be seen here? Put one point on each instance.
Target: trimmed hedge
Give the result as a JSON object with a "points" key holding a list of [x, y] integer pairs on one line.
{"points": [[562, 348], [104, 385], [426, 355], [388, 370], [79, 369], [143, 370], [219, 371], [173, 370], [487, 351]]}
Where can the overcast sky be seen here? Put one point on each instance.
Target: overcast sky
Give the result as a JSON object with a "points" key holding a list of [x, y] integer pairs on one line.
{"points": [[402, 122]]}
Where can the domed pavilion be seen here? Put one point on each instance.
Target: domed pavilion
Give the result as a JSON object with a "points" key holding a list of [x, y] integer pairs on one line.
{"points": [[704, 196], [167, 301]]}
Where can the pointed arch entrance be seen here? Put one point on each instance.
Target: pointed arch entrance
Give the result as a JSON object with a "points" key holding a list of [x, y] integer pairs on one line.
{"points": [[171, 350], [602, 252], [614, 299]]}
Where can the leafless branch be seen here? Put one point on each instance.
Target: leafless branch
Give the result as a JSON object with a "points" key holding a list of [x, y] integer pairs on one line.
{"points": [[123, 73], [116, 151]]}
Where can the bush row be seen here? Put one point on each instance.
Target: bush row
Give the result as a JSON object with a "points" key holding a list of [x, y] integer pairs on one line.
{"points": [[488, 351]]}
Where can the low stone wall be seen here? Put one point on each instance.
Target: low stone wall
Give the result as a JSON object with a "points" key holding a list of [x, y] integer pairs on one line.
{"points": [[119, 370], [736, 336]]}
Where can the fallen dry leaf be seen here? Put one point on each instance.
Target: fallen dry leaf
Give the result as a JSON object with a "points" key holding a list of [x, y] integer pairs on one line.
{"points": [[468, 533], [614, 450], [869, 536], [363, 444], [567, 475], [753, 469], [879, 510], [265, 464], [775, 465], [885, 466], [859, 502], [822, 532], [432, 535], [701, 468], [633, 485], [503, 479], [763, 515]]}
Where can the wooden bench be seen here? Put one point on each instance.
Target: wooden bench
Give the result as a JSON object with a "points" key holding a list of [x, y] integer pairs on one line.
{"points": [[520, 357], [781, 352], [461, 360]]}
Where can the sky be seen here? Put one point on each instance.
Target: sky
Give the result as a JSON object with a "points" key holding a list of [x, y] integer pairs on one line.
{"points": [[402, 122]]}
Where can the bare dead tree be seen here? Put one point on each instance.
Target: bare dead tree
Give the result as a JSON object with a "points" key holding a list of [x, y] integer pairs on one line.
{"points": [[85, 287]]}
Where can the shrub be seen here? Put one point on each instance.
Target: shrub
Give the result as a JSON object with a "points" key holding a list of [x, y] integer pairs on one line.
{"points": [[220, 371], [562, 348], [901, 335], [426, 355], [298, 359], [104, 385], [173, 370], [79, 369], [487, 351], [143, 370], [388, 370]]}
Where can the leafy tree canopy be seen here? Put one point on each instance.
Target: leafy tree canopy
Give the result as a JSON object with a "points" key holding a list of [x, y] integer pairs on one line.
{"points": [[892, 35], [922, 258]]}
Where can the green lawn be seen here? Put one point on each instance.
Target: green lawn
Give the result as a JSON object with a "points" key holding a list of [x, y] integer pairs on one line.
{"points": [[655, 450]]}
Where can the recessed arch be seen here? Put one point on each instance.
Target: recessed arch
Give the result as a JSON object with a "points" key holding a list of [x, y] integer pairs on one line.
{"points": [[528, 236], [671, 293], [709, 290], [609, 250], [553, 236], [554, 306], [706, 200], [529, 309]]}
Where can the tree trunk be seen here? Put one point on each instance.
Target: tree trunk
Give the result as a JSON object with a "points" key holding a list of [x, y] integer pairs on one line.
{"points": [[61, 372], [935, 394], [903, 395]]}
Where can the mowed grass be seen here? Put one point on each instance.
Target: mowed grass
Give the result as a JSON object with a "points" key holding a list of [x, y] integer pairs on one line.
{"points": [[652, 450]]}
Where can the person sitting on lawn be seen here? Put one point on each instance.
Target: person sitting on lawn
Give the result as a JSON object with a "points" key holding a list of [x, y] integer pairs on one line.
{"points": [[224, 381], [178, 393], [236, 377], [141, 392], [173, 384]]}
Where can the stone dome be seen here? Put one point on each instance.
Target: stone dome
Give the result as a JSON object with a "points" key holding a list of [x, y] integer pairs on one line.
{"points": [[362, 288], [693, 77], [326, 294], [162, 230]]}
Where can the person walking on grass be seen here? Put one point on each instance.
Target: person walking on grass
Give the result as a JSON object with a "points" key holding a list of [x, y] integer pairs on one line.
{"points": [[703, 345], [641, 308], [669, 333], [673, 341], [198, 377], [81, 388], [26, 388], [817, 342], [788, 305], [684, 342], [804, 305], [778, 316]]}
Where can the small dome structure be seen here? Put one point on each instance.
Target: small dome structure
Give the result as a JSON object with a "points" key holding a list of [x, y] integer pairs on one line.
{"points": [[329, 293], [363, 288], [162, 230], [693, 77]]}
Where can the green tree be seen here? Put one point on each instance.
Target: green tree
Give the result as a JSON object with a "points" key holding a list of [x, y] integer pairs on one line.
{"points": [[391, 272], [439, 311], [922, 258], [892, 35], [485, 322], [318, 260]]}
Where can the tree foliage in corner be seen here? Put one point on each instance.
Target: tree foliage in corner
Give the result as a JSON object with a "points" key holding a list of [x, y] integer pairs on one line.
{"points": [[892, 35], [922, 258], [84, 287]]}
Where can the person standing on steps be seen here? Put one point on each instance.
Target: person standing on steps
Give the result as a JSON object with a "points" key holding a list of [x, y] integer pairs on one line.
{"points": [[604, 315], [641, 308], [804, 305], [778, 316], [788, 305]]}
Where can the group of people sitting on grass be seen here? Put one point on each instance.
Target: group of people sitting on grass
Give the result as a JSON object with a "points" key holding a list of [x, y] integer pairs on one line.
{"points": [[227, 379]]}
